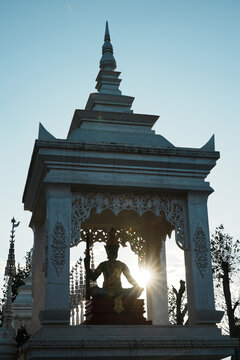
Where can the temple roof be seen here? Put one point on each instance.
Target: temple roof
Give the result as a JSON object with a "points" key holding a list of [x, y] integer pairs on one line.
{"points": [[110, 146], [108, 117]]}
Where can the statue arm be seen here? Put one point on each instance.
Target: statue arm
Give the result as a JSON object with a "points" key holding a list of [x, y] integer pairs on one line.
{"points": [[95, 274], [128, 276]]}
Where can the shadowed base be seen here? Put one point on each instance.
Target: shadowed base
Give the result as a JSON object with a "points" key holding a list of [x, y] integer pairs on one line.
{"points": [[100, 312]]}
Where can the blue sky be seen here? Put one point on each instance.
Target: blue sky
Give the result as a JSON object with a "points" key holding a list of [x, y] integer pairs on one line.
{"points": [[180, 59]]}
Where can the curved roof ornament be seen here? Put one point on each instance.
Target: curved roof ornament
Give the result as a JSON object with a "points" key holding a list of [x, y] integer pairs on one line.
{"points": [[107, 61]]}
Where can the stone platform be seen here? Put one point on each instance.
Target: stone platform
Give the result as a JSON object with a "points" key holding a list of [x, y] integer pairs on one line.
{"points": [[128, 342], [100, 312]]}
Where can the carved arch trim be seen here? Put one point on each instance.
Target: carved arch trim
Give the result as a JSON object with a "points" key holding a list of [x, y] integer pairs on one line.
{"points": [[124, 235], [201, 250], [84, 202], [58, 247]]}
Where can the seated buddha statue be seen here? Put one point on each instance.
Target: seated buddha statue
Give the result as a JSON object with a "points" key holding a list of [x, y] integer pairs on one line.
{"points": [[112, 269]]}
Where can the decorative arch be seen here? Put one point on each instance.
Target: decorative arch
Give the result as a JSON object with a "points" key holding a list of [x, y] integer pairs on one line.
{"points": [[84, 202], [131, 235]]}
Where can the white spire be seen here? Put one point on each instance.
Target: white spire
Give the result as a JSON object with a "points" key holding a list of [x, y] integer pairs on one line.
{"points": [[107, 61], [109, 97]]}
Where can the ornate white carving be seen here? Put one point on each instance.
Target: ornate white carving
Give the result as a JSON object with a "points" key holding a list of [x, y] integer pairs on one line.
{"points": [[58, 246], [201, 250], [138, 343], [83, 203]]}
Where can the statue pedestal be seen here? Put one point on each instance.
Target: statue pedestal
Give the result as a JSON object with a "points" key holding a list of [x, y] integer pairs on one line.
{"points": [[128, 342], [100, 312]]}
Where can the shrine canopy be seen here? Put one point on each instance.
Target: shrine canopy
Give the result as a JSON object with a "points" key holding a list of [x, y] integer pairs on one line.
{"points": [[109, 147], [113, 170]]}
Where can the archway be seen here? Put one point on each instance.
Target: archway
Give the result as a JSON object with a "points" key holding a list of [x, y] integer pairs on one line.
{"points": [[143, 222]]}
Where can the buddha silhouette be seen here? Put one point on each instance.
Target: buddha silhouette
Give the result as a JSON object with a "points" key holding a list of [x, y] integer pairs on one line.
{"points": [[112, 269]]}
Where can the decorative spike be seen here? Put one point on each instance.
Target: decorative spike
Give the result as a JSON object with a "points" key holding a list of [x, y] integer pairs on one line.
{"points": [[92, 259], [108, 83], [72, 296], [82, 286], [107, 61], [93, 283], [107, 35], [77, 284], [77, 293], [10, 269], [82, 311], [81, 291]]}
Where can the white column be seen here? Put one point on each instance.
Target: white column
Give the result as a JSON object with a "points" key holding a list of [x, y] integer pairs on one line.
{"points": [[58, 227], [38, 274], [157, 299], [149, 301], [199, 279]]}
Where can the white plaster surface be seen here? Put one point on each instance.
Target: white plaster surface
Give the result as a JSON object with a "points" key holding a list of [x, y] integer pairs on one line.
{"points": [[129, 342]]}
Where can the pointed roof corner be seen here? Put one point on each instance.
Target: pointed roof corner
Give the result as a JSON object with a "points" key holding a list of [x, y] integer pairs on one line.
{"points": [[107, 61], [210, 144], [43, 134]]}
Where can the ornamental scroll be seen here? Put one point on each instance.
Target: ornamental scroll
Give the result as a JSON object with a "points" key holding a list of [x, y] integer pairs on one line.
{"points": [[58, 247], [201, 250], [84, 202]]}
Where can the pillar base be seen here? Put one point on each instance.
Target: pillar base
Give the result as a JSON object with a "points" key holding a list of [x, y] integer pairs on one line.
{"points": [[8, 346], [207, 317], [51, 317]]}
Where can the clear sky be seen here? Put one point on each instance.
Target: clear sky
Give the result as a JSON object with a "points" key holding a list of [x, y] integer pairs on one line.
{"points": [[179, 58]]}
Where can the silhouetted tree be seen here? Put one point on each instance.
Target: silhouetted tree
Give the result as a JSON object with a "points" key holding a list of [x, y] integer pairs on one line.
{"points": [[177, 304], [18, 280], [226, 264]]}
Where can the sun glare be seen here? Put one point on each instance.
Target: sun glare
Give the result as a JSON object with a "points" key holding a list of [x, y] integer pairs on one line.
{"points": [[145, 274], [142, 276]]}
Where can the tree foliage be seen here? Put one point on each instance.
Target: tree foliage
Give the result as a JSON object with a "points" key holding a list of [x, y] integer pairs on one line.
{"points": [[225, 253]]}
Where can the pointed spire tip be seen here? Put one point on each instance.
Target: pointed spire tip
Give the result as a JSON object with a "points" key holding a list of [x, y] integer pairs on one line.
{"points": [[107, 60], [107, 34]]}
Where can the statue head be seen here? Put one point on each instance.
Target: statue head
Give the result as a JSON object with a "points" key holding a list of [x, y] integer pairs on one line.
{"points": [[112, 245]]}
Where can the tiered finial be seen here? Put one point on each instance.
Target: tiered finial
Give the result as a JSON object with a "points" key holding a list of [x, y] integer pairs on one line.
{"points": [[77, 293], [10, 269], [109, 96], [8, 348], [107, 61]]}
